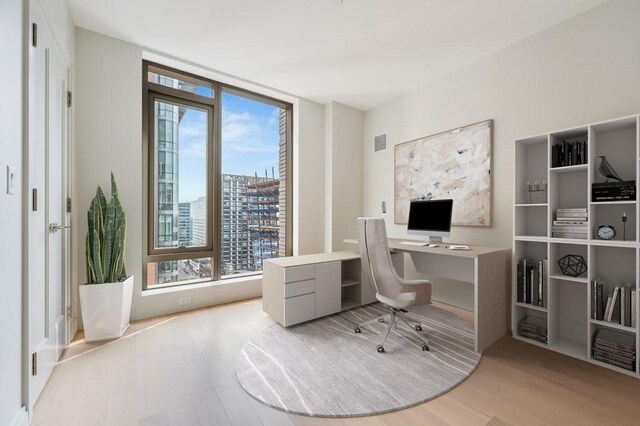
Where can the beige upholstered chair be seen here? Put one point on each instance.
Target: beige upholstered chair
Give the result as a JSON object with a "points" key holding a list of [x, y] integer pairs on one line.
{"points": [[395, 293]]}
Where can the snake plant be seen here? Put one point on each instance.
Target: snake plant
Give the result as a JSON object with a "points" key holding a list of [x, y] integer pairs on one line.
{"points": [[106, 237]]}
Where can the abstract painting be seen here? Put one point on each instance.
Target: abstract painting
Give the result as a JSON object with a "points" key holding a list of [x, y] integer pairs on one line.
{"points": [[454, 164]]}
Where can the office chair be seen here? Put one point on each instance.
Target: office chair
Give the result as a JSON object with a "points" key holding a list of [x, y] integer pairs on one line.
{"points": [[395, 293]]}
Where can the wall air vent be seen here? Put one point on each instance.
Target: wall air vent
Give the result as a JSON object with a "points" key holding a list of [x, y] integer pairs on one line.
{"points": [[380, 142]]}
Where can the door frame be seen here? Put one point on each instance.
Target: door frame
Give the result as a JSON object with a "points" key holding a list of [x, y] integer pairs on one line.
{"points": [[34, 10]]}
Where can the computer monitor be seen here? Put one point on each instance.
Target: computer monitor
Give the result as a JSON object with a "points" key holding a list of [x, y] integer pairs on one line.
{"points": [[430, 218]]}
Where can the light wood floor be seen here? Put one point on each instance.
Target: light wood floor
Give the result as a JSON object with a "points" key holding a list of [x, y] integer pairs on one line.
{"points": [[179, 370]]}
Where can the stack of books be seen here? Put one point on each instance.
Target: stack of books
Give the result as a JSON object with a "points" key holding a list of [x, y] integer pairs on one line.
{"points": [[620, 306], [534, 328], [614, 191], [570, 223], [532, 282], [615, 348], [569, 153]]}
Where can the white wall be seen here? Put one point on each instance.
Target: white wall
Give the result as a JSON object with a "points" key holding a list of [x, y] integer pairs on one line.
{"points": [[309, 180], [11, 142], [343, 174], [109, 137], [583, 70]]}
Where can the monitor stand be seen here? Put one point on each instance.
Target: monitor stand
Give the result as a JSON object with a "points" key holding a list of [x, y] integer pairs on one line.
{"points": [[435, 240]]}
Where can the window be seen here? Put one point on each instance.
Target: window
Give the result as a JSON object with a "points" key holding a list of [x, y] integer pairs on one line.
{"points": [[216, 178]]}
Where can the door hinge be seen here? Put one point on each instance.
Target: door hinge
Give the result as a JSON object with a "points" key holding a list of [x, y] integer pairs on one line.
{"points": [[34, 34], [34, 364], [34, 199], [69, 312], [69, 95], [68, 204]]}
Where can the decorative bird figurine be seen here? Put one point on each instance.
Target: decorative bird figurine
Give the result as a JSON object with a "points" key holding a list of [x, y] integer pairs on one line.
{"points": [[607, 169]]}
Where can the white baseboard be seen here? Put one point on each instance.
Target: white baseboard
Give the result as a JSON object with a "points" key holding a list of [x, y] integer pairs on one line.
{"points": [[21, 418]]}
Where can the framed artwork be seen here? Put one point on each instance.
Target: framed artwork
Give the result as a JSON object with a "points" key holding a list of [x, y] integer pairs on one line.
{"points": [[454, 164]]}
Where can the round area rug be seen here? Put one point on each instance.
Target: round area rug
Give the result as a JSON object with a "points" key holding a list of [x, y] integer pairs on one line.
{"points": [[323, 369]]}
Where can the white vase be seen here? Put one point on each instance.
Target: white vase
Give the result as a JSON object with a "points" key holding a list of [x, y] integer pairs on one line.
{"points": [[106, 309]]}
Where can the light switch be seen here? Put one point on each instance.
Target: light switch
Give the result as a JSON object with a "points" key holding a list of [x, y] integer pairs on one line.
{"points": [[11, 180]]}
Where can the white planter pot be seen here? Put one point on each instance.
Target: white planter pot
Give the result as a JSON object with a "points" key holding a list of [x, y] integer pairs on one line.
{"points": [[106, 309]]}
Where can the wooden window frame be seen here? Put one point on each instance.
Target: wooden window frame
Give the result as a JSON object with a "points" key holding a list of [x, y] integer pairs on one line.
{"points": [[152, 91]]}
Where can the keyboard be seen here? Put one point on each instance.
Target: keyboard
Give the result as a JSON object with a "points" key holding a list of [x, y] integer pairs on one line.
{"points": [[414, 243]]}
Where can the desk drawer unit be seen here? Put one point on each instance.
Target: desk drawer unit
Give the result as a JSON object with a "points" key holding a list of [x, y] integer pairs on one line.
{"points": [[299, 309], [299, 273], [299, 288]]}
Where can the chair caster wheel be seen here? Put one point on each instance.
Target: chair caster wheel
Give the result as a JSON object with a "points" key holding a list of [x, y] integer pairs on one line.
{"points": [[380, 349], [357, 330], [418, 327], [381, 320], [425, 347]]}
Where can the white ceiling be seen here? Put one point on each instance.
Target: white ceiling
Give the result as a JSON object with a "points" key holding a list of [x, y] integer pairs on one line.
{"points": [[361, 53]]}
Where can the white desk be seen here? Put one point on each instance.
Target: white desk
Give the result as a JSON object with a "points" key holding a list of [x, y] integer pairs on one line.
{"points": [[487, 268]]}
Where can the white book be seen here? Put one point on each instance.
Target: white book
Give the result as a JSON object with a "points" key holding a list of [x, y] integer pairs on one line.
{"points": [[614, 302], [607, 310], [571, 222]]}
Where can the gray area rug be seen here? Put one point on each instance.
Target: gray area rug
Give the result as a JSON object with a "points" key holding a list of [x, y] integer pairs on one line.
{"points": [[323, 369]]}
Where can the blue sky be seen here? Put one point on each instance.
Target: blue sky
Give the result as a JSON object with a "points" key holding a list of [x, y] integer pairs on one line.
{"points": [[249, 143]]}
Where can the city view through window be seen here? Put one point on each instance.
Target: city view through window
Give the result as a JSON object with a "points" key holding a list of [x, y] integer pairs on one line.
{"points": [[252, 133]]}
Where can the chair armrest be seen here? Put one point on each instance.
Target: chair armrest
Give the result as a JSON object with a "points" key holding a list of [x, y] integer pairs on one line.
{"points": [[415, 282]]}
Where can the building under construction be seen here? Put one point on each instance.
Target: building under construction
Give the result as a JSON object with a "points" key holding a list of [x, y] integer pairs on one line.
{"points": [[263, 200]]}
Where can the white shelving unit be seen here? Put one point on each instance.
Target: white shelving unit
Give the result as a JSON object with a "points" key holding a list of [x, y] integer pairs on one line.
{"points": [[570, 328]]}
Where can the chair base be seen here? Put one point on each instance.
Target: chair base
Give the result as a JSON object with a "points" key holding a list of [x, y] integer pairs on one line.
{"points": [[391, 319]]}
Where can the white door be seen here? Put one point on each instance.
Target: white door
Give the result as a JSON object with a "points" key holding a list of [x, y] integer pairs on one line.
{"points": [[47, 172]]}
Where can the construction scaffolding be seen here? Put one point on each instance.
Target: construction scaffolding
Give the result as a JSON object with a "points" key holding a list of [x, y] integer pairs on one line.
{"points": [[263, 200]]}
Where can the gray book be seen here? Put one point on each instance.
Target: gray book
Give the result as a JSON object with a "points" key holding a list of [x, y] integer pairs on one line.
{"points": [[616, 339], [634, 304]]}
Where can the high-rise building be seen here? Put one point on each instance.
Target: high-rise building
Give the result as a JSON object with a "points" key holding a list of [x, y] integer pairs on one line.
{"points": [[235, 225], [263, 201], [168, 117], [184, 224], [198, 216]]}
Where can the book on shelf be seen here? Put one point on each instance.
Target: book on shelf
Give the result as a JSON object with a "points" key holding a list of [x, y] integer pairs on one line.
{"points": [[567, 153], [597, 292], [613, 191], [607, 309], [531, 276], [534, 328], [579, 216], [621, 304], [542, 277], [570, 228], [573, 210], [634, 305], [619, 356], [615, 348], [571, 222], [614, 312], [571, 235]]}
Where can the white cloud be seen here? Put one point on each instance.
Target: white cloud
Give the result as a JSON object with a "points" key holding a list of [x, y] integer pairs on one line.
{"points": [[194, 149], [241, 133]]}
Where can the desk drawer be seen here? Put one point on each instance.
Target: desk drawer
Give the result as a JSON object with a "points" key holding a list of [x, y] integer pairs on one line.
{"points": [[299, 309], [300, 287], [299, 273]]}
